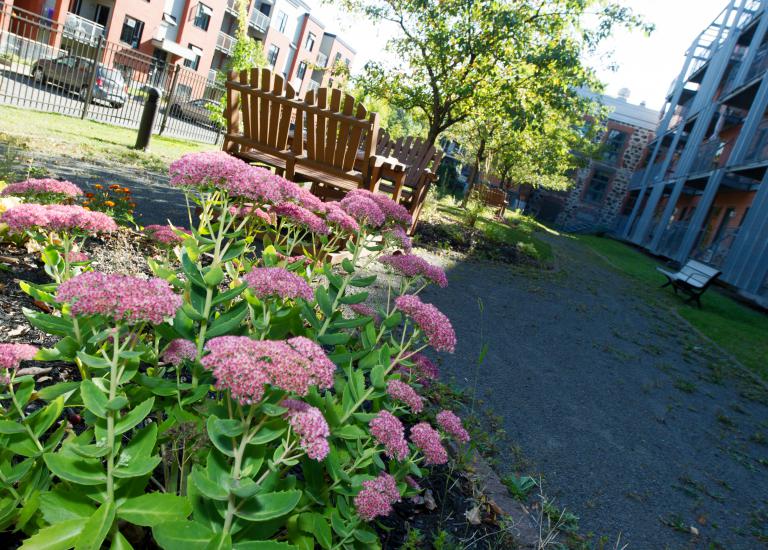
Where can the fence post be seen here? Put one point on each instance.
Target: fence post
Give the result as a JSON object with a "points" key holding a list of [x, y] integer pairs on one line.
{"points": [[92, 78], [169, 98], [147, 118]]}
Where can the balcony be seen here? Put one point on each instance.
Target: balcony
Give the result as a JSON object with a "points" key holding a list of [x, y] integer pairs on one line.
{"points": [[82, 29], [708, 157], [759, 65], [232, 7], [758, 149], [212, 75], [322, 60], [225, 43], [259, 21]]}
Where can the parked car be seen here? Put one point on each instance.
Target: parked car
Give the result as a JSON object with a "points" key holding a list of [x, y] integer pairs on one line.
{"points": [[197, 111], [73, 73]]}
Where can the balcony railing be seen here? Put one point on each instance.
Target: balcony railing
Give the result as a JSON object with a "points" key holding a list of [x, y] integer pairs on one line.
{"points": [[225, 43], [82, 29], [232, 6], [758, 149], [759, 65], [715, 252], [259, 21], [708, 157], [212, 74]]}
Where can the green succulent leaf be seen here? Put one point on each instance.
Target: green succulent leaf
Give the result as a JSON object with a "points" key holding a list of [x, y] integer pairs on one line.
{"points": [[266, 506], [182, 535], [154, 509], [97, 528], [59, 536]]}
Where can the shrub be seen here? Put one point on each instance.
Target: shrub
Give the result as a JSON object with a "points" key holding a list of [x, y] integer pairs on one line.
{"points": [[241, 395]]}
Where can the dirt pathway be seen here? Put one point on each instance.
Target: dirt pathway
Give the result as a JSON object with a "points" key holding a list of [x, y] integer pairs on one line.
{"points": [[636, 424]]}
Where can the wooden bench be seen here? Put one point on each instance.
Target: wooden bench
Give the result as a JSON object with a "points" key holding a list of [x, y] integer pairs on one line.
{"points": [[421, 162], [259, 111], [693, 278], [338, 133], [495, 198]]}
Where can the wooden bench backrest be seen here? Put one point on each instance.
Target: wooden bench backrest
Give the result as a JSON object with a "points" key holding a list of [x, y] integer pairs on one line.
{"points": [[413, 152], [697, 273], [261, 106], [336, 127], [493, 197]]}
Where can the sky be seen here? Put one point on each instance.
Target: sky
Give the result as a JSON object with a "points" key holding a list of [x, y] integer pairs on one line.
{"points": [[646, 64]]}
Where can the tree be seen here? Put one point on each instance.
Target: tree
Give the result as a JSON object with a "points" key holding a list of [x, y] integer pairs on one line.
{"points": [[454, 52]]}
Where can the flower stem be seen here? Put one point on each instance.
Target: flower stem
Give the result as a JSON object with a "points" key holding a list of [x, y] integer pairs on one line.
{"points": [[114, 379], [23, 417]]}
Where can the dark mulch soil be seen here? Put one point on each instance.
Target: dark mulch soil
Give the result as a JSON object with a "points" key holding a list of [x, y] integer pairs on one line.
{"points": [[452, 238]]}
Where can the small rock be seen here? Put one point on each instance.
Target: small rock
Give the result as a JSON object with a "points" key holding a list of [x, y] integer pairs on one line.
{"points": [[473, 516]]}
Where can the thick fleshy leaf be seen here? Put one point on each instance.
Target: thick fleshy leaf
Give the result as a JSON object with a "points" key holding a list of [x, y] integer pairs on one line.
{"points": [[84, 471], [59, 536], [97, 528], [154, 508], [93, 398], [263, 507], [182, 535]]}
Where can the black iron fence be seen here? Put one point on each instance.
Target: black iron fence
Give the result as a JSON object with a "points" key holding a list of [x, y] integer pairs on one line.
{"points": [[71, 69]]}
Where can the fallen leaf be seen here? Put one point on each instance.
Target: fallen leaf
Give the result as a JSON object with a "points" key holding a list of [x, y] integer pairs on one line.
{"points": [[473, 516]]}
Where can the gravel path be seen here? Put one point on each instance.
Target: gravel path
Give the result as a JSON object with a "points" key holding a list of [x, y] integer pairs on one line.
{"points": [[636, 424]]}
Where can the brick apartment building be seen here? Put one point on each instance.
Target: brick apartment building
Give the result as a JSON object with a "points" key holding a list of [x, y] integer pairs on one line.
{"points": [[595, 200], [201, 34], [702, 190]]}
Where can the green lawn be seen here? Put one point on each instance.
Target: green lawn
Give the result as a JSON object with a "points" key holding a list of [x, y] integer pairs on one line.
{"points": [[516, 228], [86, 139], [740, 330]]}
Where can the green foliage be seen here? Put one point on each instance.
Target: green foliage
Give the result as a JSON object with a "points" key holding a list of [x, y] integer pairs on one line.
{"points": [[503, 77], [519, 486], [165, 447]]}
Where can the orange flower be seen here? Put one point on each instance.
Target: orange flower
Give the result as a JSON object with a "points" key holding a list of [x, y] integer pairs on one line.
{"points": [[110, 204], [114, 186], [86, 208], [98, 186], [126, 190], [132, 204], [89, 195]]}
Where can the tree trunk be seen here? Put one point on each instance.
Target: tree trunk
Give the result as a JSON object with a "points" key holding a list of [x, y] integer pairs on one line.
{"points": [[479, 157]]}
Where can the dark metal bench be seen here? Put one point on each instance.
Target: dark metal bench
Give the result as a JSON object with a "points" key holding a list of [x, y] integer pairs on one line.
{"points": [[693, 279]]}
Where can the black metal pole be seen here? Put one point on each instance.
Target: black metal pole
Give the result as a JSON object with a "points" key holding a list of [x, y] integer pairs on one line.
{"points": [[148, 118]]}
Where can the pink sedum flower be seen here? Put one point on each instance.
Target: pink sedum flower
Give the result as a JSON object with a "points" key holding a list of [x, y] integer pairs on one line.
{"points": [[57, 217], [427, 439], [433, 323], [254, 183], [387, 430], [208, 169], [425, 369], [310, 425], [400, 391], [412, 483], [451, 424], [298, 215], [393, 212], [254, 212], [376, 497], [363, 209], [11, 355], [44, 186], [165, 234], [337, 217], [366, 311], [243, 366], [265, 282], [410, 265], [179, 350], [398, 235], [120, 297]]}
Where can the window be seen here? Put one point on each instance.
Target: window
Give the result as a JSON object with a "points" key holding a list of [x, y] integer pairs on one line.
{"points": [[194, 63], [337, 58], [597, 187], [613, 146], [203, 16], [310, 42], [132, 31], [302, 70], [272, 54], [282, 21]]}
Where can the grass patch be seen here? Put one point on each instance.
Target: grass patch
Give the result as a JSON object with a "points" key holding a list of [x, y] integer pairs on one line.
{"points": [[733, 326], [90, 140], [514, 229]]}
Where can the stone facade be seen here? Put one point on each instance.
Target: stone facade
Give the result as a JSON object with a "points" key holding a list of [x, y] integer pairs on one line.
{"points": [[581, 215]]}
